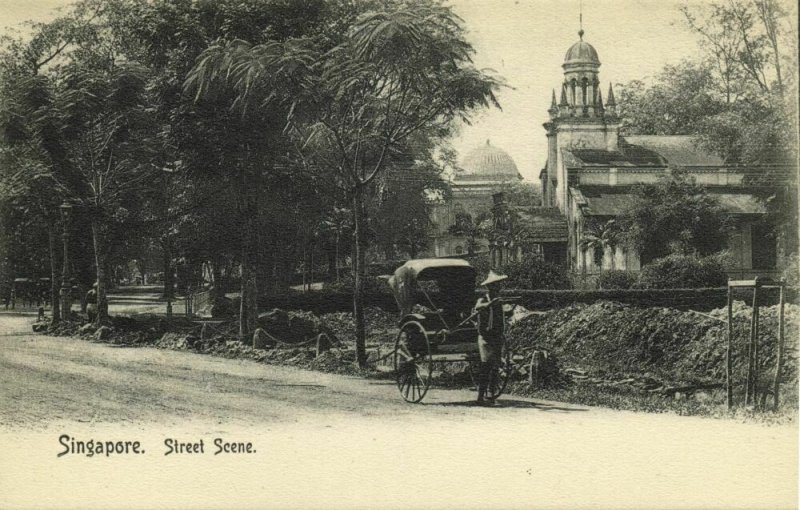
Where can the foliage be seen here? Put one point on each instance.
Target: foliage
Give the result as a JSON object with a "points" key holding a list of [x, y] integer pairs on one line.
{"points": [[473, 229], [679, 101], [372, 284], [599, 236], [482, 264], [352, 108], [617, 279], [684, 271], [736, 98], [791, 273], [520, 193], [244, 135], [534, 273], [674, 215], [402, 221]]}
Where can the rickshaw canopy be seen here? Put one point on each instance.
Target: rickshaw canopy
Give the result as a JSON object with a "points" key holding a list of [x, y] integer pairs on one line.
{"points": [[454, 277]]}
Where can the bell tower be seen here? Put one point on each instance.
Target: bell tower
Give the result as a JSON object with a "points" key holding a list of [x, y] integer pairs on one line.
{"points": [[579, 120]]}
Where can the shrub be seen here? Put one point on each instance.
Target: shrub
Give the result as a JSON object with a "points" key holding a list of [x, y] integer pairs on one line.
{"points": [[617, 280], [482, 264], [372, 284], [791, 271], [534, 273], [684, 272]]}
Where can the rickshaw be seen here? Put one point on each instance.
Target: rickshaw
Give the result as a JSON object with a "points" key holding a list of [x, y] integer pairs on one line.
{"points": [[438, 325]]}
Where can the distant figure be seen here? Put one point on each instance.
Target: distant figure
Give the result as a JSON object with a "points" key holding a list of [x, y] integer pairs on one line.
{"points": [[491, 325], [91, 303]]}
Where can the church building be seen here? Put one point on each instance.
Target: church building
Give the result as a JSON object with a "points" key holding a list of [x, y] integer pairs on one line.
{"points": [[591, 169]]}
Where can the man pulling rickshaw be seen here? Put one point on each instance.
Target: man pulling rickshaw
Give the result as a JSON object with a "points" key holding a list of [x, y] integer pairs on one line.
{"points": [[441, 322], [491, 327]]}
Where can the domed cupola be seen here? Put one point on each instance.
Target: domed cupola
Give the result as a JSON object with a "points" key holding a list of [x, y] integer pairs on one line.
{"points": [[580, 91], [488, 163], [581, 53]]}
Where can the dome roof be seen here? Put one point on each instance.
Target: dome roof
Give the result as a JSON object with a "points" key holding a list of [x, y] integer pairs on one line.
{"points": [[581, 53], [487, 163]]}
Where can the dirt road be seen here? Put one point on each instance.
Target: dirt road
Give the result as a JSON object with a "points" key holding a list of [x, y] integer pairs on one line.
{"points": [[331, 441]]}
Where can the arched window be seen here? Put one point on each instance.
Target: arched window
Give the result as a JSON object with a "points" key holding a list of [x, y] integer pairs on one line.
{"points": [[584, 90], [573, 84], [459, 250]]}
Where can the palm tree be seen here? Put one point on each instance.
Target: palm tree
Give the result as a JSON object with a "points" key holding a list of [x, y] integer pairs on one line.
{"points": [[471, 229], [599, 237]]}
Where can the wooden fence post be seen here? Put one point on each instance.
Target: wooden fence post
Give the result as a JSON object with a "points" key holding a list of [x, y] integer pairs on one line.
{"points": [[728, 388], [781, 333], [751, 350], [756, 349]]}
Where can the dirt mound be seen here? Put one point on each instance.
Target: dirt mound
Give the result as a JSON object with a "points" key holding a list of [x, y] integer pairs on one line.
{"points": [[379, 323], [672, 345]]}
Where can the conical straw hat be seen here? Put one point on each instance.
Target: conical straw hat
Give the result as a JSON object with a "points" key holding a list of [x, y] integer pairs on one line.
{"points": [[493, 278]]}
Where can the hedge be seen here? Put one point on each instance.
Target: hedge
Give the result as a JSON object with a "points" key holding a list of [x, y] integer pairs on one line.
{"points": [[703, 299], [682, 299], [325, 301]]}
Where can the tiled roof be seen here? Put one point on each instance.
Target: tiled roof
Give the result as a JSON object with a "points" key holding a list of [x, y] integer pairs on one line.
{"points": [[542, 224], [613, 200], [605, 200], [645, 151], [679, 150], [627, 156]]}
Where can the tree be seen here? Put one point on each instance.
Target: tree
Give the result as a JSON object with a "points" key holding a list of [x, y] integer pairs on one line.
{"points": [[742, 37], [401, 220], [679, 102], [30, 136], [534, 273], [400, 71], [397, 72], [601, 236], [106, 140], [737, 101], [674, 215], [471, 228]]}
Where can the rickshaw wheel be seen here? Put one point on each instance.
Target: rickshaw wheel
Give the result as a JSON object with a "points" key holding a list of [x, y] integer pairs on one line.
{"points": [[413, 363], [502, 377]]}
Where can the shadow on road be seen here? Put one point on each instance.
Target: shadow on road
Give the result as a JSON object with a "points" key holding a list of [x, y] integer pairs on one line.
{"points": [[511, 403], [301, 385]]}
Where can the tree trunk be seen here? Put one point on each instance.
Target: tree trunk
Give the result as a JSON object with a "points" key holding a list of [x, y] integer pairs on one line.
{"points": [[336, 257], [216, 280], [55, 284], [412, 249], [100, 263], [311, 266], [169, 281], [359, 273], [248, 308]]}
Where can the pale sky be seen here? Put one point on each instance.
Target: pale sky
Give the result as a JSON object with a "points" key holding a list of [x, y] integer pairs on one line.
{"points": [[525, 42]]}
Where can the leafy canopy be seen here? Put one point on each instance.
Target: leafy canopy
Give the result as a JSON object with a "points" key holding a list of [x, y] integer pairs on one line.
{"points": [[674, 215]]}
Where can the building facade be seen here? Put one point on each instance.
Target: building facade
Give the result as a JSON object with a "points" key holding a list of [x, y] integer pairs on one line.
{"points": [[484, 171], [590, 171]]}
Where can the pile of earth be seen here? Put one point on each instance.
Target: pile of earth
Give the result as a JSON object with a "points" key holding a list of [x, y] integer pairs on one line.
{"points": [[293, 333], [336, 360], [609, 338], [380, 325]]}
